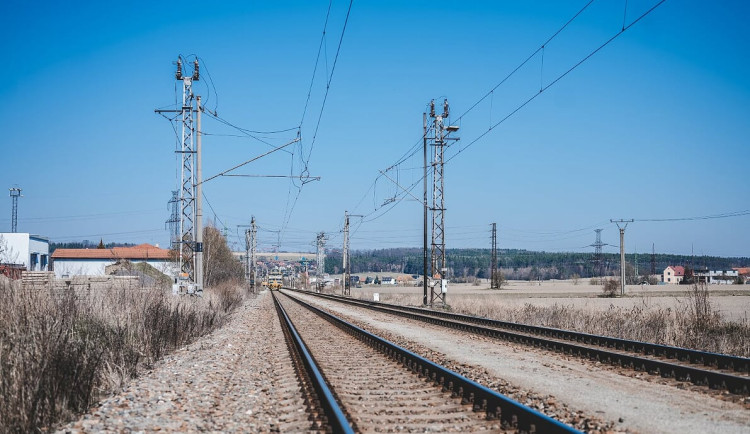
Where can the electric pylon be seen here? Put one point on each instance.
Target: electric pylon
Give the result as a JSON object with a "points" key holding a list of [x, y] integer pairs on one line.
{"points": [[173, 223], [598, 258], [15, 193], [438, 142]]}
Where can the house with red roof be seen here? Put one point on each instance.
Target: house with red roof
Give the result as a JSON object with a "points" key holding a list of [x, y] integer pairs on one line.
{"points": [[93, 262], [674, 274]]}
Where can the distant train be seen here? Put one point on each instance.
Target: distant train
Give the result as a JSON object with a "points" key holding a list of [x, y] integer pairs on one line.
{"points": [[275, 280]]}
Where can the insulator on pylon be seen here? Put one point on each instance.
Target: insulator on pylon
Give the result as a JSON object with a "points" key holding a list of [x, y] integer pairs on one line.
{"points": [[432, 108], [178, 74], [445, 108], [196, 73]]}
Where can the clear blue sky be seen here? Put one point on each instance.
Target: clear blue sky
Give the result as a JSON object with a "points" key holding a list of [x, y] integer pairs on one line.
{"points": [[653, 126]]}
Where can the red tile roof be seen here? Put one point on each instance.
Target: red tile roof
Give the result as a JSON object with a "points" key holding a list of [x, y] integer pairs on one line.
{"points": [[142, 251], [679, 270], [742, 271]]}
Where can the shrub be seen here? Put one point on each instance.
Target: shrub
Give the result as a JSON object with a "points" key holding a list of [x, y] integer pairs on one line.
{"points": [[610, 287]]}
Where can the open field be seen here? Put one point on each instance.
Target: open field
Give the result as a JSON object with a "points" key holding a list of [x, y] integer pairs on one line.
{"points": [[731, 301]]}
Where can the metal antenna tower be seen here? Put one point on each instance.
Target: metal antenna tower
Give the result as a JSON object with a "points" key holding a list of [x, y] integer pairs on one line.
{"points": [[190, 237], [320, 258], [622, 228], [495, 282], [439, 141], [173, 223], [15, 193]]}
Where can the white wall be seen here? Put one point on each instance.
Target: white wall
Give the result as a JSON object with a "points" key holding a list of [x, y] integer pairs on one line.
{"points": [[96, 267], [17, 248]]}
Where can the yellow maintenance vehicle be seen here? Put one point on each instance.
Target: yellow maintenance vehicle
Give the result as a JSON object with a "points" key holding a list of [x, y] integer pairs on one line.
{"points": [[275, 280]]}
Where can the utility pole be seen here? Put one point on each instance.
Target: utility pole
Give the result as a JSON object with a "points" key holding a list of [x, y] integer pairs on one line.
{"points": [[345, 256], [346, 262], [189, 280], [622, 228], [253, 246], [320, 259], [425, 277], [251, 232], [653, 260], [15, 193], [495, 282], [198, 199], [438, 201]]}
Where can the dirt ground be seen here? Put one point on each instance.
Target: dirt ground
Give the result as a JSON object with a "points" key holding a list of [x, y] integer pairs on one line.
{"points": [[732, 301]]}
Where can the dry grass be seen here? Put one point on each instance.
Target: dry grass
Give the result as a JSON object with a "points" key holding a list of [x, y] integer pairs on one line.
{"points": [[61, 350], [692, 324]]}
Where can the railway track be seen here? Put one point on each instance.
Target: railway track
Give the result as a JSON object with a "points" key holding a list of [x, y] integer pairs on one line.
{"points": [[358, 382], [717, 371]]}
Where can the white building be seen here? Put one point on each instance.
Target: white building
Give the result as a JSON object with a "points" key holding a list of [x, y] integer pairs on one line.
{"points": [[31, 251], [716, 277], [93, 262]]}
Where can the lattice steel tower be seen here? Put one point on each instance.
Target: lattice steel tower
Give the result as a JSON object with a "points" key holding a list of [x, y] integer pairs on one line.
{"points": [[173, 223], [15, 193], [438, 142], [598, 258]]}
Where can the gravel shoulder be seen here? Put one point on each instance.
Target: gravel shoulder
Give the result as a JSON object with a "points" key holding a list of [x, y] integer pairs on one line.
{"points": [[233, 380], [634, 402]]}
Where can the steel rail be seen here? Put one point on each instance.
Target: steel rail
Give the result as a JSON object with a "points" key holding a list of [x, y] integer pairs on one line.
{"points": [[495, 405], [716, 380], [334, 416]]}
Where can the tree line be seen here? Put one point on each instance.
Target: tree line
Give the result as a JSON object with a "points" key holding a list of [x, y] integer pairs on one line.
{"points": [[520, 264]]}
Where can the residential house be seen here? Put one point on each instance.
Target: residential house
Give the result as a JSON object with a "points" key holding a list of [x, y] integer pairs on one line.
{"points": [[673, 274]]}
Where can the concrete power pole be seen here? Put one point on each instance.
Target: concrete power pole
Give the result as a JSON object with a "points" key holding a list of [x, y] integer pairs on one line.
{"points": [[345, 257], [320, 259], [439, 141], [15, 193], [495, 282], [198, 199], [622, 228]]}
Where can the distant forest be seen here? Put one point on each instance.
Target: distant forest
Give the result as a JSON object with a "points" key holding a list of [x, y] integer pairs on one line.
{"points": [[518, 264], [85, 244]]}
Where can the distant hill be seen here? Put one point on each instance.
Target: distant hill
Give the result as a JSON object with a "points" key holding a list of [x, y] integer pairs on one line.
{"points": [[521, 264]]}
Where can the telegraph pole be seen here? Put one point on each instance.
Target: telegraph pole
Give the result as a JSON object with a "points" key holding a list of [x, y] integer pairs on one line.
{"points": [[438, 201], [495, 282], [622, 228], [15, 193]]}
